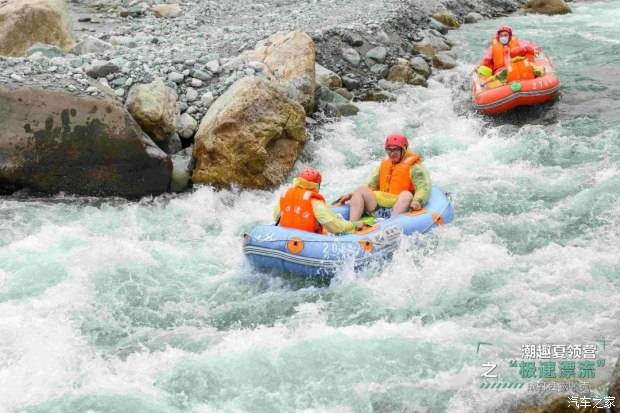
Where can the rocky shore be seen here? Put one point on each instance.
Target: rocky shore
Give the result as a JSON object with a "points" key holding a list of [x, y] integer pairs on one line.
{"points": [[162, 67]]}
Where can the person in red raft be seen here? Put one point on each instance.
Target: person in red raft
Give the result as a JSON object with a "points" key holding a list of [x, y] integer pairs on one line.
{"points": [[505, 47]]}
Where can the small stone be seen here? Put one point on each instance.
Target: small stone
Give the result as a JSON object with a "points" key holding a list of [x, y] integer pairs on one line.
{"points": [[443, 60], [418, 80], [389, 85], [168, 11], [348, 109], [350, 82], [380, 70], [344, 93], [350, 55], [197, 83], [353, 39], [16, 77], [420, 66], [100, 68], [199, 74], [473, 17], [186, 126], [377, 54], [207, 99], [191, 94], [175, 77], [192, 109], [213, 66], [119, 92]]}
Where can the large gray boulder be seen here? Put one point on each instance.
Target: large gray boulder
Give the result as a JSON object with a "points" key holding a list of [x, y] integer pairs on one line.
{"points": [[251, 136], [52, 141], [24, 23]]}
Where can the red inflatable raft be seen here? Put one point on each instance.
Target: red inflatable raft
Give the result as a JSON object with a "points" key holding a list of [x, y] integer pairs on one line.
{"points": [[521, 88]]}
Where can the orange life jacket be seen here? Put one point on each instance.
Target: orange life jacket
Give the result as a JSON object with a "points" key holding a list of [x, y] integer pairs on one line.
{"points": [[296, 209], [501, 53], [395, 178]]}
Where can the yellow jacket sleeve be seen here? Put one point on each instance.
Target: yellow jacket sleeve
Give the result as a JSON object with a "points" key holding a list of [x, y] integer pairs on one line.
{"points": [[276, 212], [329, 219], [373, 181], [422, 181]]}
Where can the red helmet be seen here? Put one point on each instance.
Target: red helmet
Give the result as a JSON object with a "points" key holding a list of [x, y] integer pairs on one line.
{"points": [[506, 29], [310, 174], [396, 139]]}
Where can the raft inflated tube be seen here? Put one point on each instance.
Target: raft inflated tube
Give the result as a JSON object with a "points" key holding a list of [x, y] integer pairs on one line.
{"points": [[524, 92], [308, 254]]}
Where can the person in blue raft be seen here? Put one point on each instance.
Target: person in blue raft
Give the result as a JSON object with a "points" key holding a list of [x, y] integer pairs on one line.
{"points": [[400, 183], [303, 207]]}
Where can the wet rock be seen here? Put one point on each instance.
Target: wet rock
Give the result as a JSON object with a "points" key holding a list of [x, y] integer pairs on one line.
{"points": [[46, 50], [439, 26], [167, 11], [350, 55], [172, 145], [377, 54], [430, 46], [420, 66], [182, 165], [389, 85], [153, 105], [265, 128], [344, 93], [348, 109], [327, 78], [547, 7], [100, 68], [351, 82], [186, 126], [379, 70], [447, 18], [27, 22], [290, 57], [91, 45], [443, 60], [400, 73], [473, 17], [53, 141], [379, 95], [418, 80]]}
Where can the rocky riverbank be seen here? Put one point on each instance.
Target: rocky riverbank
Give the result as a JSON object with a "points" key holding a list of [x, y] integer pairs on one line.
{"points": [[329, 54]]}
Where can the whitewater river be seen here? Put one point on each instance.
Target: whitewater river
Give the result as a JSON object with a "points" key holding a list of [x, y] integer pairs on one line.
{"points": [[116, 306]]}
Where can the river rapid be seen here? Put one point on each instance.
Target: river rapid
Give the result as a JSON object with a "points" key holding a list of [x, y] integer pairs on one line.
{"points": [[108, 305]]}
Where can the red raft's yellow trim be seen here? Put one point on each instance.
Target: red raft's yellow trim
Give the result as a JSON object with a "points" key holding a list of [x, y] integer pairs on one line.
{"points": [[503, 98]]}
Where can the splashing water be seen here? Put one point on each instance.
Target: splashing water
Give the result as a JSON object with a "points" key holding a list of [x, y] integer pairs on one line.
{"points": [[115, 306]]}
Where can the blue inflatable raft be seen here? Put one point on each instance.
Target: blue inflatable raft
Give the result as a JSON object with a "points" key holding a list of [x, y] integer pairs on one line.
{"points": [[318, 255]]}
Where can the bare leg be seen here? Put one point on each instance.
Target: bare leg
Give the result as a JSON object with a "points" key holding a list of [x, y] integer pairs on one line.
{"points": [[362, 199], [402, 203]]}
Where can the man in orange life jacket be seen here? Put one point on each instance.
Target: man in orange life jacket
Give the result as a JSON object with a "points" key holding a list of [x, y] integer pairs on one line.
{"points": [[303, 207], [400, 182], [503, 48]]}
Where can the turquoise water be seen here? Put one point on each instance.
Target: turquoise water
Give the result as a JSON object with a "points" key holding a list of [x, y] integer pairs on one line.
{"points": [[115, 306]]}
